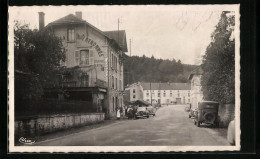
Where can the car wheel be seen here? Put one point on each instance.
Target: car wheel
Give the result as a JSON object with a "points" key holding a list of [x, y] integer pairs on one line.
{"points": [[198, 124], [189, 116], [154, 115], [148, 116]]}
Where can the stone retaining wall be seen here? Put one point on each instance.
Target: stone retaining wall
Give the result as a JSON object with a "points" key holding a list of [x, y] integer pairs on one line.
{"points": [[38, 125], [226, 113]]}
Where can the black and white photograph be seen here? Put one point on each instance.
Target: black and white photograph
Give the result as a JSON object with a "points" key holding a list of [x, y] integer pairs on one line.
{"points": [[124, 78]]}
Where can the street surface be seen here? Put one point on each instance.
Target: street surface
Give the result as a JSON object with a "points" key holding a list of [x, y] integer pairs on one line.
{"points": [[170, 127]]}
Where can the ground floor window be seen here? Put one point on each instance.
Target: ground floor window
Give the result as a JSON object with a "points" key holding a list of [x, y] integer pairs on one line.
{"points": [[84, 57], [113, 101]]}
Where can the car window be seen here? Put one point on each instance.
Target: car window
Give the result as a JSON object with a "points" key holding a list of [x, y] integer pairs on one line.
{"points": [[141, 108]]}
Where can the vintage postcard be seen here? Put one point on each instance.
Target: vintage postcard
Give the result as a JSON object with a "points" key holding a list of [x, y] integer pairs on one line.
{"points": [[124, 78]]}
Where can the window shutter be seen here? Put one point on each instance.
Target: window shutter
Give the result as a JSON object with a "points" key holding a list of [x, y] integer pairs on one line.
{"points": [[91, 57], [77, 57]]}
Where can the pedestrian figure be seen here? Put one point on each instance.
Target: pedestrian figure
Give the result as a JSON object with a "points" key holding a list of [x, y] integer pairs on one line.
{"points": [[118, 114], [130, 113], [126, 110]]}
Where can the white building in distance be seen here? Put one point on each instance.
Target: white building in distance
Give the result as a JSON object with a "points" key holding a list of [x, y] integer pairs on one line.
{"points": [[196, 93], [166, 93], [161, 93]]}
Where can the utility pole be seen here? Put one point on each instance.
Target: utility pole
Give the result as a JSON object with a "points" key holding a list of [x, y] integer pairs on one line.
{"points": [[130, 46], [118, 32], [151, 92]]}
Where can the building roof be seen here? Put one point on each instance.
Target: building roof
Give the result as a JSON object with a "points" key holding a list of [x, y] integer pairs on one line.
{"points": [[197, 71], [166, 86], [111, 35], [140, 103], [69, 19], [119, 36], [133, 84]]}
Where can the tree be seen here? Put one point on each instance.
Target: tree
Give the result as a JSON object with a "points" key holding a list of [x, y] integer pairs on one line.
{"points": [[218, 79], [37, 54], [146, 69]]}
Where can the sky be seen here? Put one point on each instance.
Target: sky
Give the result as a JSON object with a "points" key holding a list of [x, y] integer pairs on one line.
{"points": [[164, 31]]}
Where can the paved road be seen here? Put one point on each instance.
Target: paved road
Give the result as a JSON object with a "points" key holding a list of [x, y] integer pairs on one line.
{"points": [[170, 127]]}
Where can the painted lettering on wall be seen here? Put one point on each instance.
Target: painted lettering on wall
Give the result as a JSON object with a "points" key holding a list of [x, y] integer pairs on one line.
{"points": [[91, 42]]}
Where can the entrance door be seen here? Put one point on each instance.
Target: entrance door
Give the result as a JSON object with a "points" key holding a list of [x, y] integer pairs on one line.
{"points": [[178, 100]]}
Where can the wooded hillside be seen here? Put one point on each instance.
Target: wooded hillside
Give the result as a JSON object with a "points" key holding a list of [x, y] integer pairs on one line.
{"points": [[148, 69]]}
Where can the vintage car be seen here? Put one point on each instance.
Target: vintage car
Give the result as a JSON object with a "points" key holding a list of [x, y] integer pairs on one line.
{"points": [[193, 112], [207, 113], [151, 110], [188, 108], [142, 112]]}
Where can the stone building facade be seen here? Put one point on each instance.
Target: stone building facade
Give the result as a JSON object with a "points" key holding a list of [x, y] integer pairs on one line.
{"points": [[93, 67], [161, 93], [196, 93], [166, 93], [134, 92]]}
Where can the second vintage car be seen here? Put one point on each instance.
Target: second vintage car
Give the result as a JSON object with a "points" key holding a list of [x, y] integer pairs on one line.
{"points": [[207, 113], [151, 110], [142, 112]]}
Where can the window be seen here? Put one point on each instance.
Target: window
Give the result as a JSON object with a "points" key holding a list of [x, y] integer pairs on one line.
{"points": [[147, 94], [84, 57], [133, 96], [189, 100], [116, 63], [147, 100], [113, 103], [76, 57], [120, 85], [111, 59], [171, 94], [164, 94], [188, 94], [84, 80], [116, 84], [159, 94], [70, 35], [133, 90], [113, 82]]}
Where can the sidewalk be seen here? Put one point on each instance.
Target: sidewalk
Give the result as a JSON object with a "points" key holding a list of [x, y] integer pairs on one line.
{"points": [[62, 133]]}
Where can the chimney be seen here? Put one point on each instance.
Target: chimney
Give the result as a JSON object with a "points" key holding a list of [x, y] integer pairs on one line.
{"points": [[78, 15], [41, 20]]}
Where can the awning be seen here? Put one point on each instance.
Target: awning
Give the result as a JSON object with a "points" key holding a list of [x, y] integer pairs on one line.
{"points": [[140, 103]]}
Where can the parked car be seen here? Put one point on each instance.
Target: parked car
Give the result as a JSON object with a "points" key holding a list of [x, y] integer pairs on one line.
{"points": [[207, 113], [193, 112], [187, 108], [151, 110], [141, 112], [231, 133]]}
